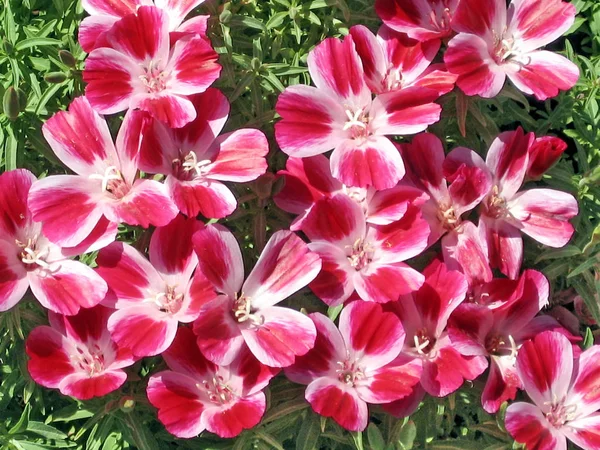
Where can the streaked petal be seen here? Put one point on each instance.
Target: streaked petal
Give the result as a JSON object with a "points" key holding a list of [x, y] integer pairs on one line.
{"points": [[527, 425]]}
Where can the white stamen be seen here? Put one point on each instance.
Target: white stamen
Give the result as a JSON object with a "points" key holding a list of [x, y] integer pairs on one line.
{"points": [[111, 173]]}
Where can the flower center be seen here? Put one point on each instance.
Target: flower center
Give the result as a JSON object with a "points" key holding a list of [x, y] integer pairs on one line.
{"points": [[393, 79], [359, 195], [169, 301], [242, 311], [447, 216], [154, 79], [361, 254], [440, 17], [560, 414], [349, 372], [424, 343], [112, 182], [501, 346], [507, 50], [495, 205], [218, 392], [89, 359], [357, 123], [32, 256]]}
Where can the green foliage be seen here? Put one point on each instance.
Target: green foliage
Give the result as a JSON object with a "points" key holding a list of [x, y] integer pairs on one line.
{"points": [[263, 46]]}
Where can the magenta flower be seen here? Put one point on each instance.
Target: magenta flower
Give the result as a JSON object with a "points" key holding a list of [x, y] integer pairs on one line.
{"points": [[355, 365], [29, 260], [357, 256], [461, 245], [139, 69], [105, 13], [565, 392], [244, 315], [197, 395], [392, 62], [195, 160], [543, 154], [422, 20], [308, 180], [340, 114], [76, 355], [152, 297], [70, 207], [494, 43], [543, 214]]}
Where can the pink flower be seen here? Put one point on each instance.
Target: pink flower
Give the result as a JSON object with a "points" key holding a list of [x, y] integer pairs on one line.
{"points": [[543, 154], [197, 395], [422, 20], [195, 160], [392, 62], [543, 214], [461, 245], [499, 331], [139, 69], [105, 13], [244, 315], [494, 43], [152, 297], [76, 355], [424, 316], [340, 114], [70, 207], [355, 365], [29, 259], [308, 180], [566, 395], [361, 257]]}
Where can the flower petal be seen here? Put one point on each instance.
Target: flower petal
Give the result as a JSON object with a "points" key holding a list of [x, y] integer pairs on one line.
{"points": [[193, 66], [48, 362], [230, 421], [13, 276], [584, 432], [504, 245], [171, 250], [174, 110], [527, 425], [391, 382], [585, 392], [383, 283], [177, 10], [334, 284], [83, 387], [212, 199]]}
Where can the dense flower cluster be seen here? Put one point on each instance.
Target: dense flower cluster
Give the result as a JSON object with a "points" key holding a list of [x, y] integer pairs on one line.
{"points": [[366, 211]]}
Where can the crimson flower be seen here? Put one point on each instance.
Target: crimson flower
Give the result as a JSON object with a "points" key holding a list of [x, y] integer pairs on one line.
{"points": [[340, 114], [565, 393], [355, 365], [197, 395], [70, 207], [29, 260], [76, 355], [495, 42], [196, 161], [244, 314], [139, 69]]}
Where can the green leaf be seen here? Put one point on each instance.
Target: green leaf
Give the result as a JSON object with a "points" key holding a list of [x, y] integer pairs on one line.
{"points": [[45, 431], [408, 435], [358, 440], [21, 425], [142, 437], [36, 42], [308, 434], [588, 339], [375, 438]]}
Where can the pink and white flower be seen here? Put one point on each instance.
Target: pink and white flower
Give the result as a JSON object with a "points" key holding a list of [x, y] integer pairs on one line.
{"points": [[308, 180], [356, 365], [543, 214], [422, 20], [29, 260], [152, 297], [565, 393], [340, 114], [392, 62], [197, 395], [361, 257], [105, 13], [495, 42], [244, 314], [196, 161], [76, 355], [70, 207], [139, 69]]}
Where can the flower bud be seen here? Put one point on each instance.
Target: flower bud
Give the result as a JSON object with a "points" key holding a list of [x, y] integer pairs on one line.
{"points": [[263, 185], [127, 404], [67, 58], [543, 154], [55, 77], [225, 16], [10, 103]]}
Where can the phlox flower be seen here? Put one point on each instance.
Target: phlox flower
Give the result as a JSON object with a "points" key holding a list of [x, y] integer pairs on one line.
{"points": [[105, 186], [422, 20], [495, 42], [307, 180], [361, 257], [499, 330], [197, 395], [543, 214], [152, 297], [462, 247], [140, 69], [565, 393], [76, 355], [340, 114], [195, 160], [244, 314], [104, 13], [29, 260], [392, 62], [356, 365]]}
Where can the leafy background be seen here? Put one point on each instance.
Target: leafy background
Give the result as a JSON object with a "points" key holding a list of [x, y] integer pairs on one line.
{"points": [[263, 46]]}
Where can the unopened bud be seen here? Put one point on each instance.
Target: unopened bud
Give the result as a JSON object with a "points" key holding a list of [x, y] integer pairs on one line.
{"points": [[67, 58], [225, 16], [127, 404], [263, 185], [255, 64], [55, 77], [10, 103]]}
